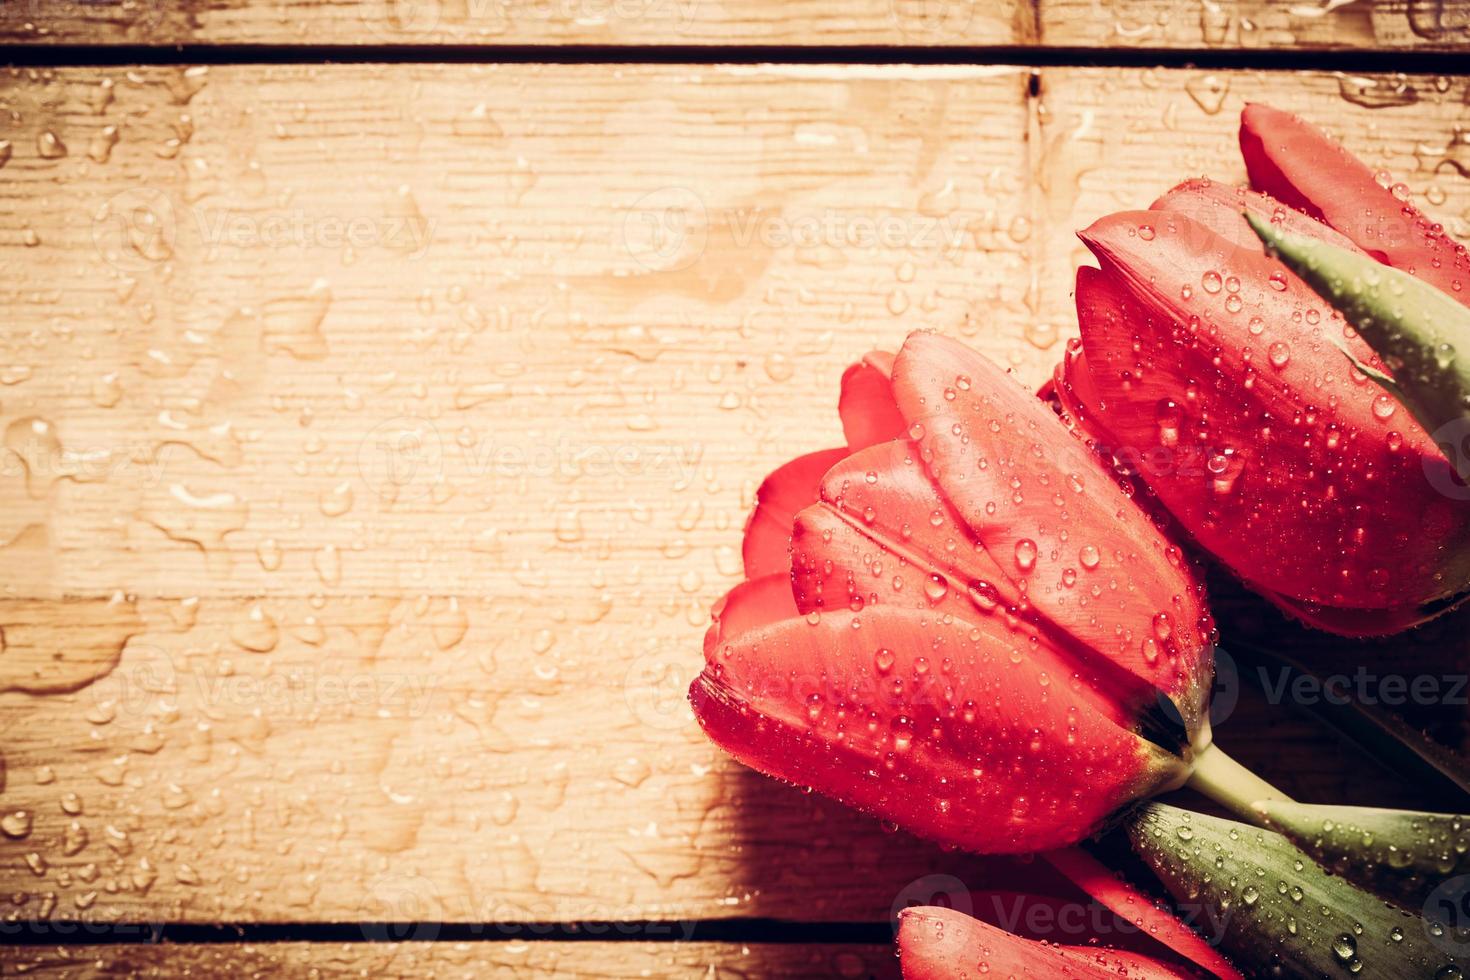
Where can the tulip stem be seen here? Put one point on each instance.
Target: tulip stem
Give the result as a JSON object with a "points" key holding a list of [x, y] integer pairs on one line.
{"points": [[1231, 784]]}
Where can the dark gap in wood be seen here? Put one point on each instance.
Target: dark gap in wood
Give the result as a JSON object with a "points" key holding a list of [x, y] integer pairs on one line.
{"points": [[1346, 60], [757, 930]]}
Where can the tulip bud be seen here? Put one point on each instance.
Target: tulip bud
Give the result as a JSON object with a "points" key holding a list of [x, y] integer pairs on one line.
{"points": [[982, 638], [1423, 333], [1402, 855], [1282, 914]]}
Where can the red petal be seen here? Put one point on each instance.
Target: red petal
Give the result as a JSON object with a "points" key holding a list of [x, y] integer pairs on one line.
{"points": [[869, 414], [1363, 622], [1297, 163], [1117, 895], [767, 546], [942, 944], [1219, 207], [1086, 556], [933, 725], [883, 535], [750, 605], [1249, 424]]}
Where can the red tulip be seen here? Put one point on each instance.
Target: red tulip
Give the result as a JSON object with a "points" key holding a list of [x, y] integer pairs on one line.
{"points": [[942, 944], [1296, 163], [968, 628], [1135, 936], [1217, 375]]}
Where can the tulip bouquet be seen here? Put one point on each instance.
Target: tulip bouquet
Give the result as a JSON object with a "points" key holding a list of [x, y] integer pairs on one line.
{"points": [[981, 620]]}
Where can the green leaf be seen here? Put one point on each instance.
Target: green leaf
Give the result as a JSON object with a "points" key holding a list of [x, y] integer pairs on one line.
{"points": [[1278, 913], [1402, 855], [1421, 332]]}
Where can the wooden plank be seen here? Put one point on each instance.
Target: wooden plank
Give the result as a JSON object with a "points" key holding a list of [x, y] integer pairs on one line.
{"points": [[494, 23], [415, 564], [1369, 25], [1375, 25], [400, 577], [548, 960]]}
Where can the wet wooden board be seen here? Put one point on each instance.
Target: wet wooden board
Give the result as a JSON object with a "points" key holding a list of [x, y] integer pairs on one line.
{"points": [[493, 23], [1381, 25], [379, 439], [1359, 25], [511, 958]]}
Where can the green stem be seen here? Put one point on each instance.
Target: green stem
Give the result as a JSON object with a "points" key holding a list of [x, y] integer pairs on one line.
{"points": [[1231, 784]]}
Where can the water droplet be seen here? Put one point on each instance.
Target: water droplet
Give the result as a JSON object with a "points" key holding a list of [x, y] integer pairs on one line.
{"points": [[1344, 947], [1279, 354], [16, 824], [257, 631], [1384, 406], [49, 146], [1089, 556], [1025, 554]]}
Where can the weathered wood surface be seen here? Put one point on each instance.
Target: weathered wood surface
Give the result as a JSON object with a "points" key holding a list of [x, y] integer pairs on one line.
{"points": [[547, 960], [1382, 25], [1364, 25], [511, 22], [396, 428]]}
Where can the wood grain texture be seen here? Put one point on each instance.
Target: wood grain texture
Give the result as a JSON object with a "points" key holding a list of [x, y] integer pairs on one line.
{"points": [[377, 440], [415, 413], [511, 22], [1366, 25], [1375, 25], [545, 960]]}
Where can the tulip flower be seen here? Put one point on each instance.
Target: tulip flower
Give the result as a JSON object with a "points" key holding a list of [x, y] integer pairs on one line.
{"points": [[961, 623], [1218, 377], [1127, 933], [942, 944], [1298, 165]]}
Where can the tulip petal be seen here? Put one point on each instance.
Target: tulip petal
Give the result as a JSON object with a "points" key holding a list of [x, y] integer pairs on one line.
{"points": [[941, 944], [750, 605], [931, 724], [869, 414], [1127, 902], [1420, 327], [1085, 555], [1298, 164], [1239, 411], [766, 549], [883, 535], [1362, 622], [1222, 209]]}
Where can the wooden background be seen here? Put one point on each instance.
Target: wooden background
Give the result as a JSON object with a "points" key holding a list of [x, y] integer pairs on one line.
{"points": [[377, 436]]}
